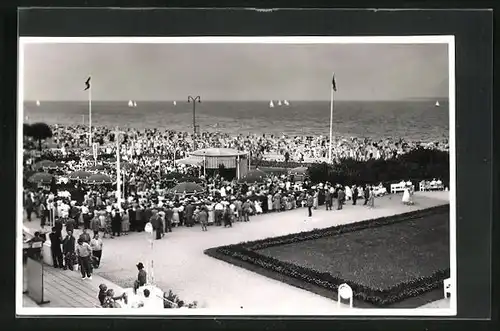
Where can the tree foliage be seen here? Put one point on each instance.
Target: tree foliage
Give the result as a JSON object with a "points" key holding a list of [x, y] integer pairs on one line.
{"points": [[416, 165], [37, 131]]}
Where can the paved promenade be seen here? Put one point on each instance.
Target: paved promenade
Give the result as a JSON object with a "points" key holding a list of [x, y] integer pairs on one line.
{"points": [[66, 289], [180, 265]]}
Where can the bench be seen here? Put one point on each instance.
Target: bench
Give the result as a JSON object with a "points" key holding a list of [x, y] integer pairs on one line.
{"points": [[431, 186], [399, 187]]}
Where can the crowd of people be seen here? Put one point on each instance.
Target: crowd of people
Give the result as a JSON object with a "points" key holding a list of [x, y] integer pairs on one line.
{"points": [[148, 156], [173, 145]]}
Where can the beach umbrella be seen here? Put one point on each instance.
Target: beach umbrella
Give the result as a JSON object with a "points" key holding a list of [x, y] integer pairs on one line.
{"points": [[298, 171], [187, 188], [78, 175], [99, 179], [41, 178], [256, 176], [44, 164], [97, 167], [61, 165]]}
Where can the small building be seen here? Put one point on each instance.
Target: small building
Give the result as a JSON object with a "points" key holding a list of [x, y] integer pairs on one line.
{"points": [[213, 158]]}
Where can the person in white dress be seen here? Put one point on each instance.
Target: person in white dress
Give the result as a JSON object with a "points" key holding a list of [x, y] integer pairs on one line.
{"points": [[406, 196]]}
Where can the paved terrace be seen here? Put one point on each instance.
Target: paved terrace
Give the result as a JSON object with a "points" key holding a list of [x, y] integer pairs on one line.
{"points": [[180, 264], [66, 289]]}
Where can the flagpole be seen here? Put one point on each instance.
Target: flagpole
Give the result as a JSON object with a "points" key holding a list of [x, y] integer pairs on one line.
{"points": [[90, 115], [331, 126], [118, 173]]}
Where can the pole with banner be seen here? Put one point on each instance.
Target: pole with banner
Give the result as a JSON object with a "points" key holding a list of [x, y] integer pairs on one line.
{"points": [[88, 88], [334, 89], [118, 171]]}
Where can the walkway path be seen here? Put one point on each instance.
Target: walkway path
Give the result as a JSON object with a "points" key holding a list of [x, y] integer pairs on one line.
{"points": [[180, 264]]}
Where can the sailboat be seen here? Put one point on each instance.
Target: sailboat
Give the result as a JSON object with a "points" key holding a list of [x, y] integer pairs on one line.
{"points": [[135, 104], [279, 102], [437, 103], [130, 103], [286, 103], [175, 103], [38, 103], [271, 104]]}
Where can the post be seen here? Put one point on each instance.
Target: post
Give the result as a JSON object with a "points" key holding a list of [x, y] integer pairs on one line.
{"points": [[118, 173], [90, 115], [124, 189], [238, 167], [205, 167], [194, 118], [83, 120], [194, 100], [149, 230], [331, 127]]}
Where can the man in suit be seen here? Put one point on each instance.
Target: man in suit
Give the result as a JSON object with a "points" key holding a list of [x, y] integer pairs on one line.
{"points": [[354, 194], [340, 198], [189, 214], [328, 199], [367, 194], [310, 203], [55, 248], [70, 224], [169, 213], [157, 224]]}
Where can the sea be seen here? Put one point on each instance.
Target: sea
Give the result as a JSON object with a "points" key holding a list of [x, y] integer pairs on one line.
{"points": [[418, 120]]}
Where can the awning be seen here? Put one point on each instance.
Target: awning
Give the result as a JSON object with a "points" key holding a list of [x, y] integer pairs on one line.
{"points": [[190, 161]]}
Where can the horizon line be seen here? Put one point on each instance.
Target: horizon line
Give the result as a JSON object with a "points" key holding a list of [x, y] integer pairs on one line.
{"points": [[260, 100]]}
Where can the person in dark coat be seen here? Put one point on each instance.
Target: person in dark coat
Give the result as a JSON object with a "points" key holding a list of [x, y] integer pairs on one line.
{"points": [[55, 248], [145, 215], [340, 198], [189, 214], [69, 244], [70, 225], [139, 219], [309, 203], [116, 223], [328, 199], [58, 225], [367, 194], [354, 194], [132, 219], [157, 224], [169, 213], [84, 236], [227, 216]]}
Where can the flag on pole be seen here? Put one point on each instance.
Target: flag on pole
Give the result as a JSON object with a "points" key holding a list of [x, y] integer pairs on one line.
{"points": [[334, 86], [87, 84]]}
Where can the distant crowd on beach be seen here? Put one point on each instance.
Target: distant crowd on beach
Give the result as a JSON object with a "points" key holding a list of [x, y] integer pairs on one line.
{"points": [[173, 145]]}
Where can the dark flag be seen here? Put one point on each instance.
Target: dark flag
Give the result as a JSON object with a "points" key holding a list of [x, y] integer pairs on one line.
{"points": [[87, 84], [334, 86]]}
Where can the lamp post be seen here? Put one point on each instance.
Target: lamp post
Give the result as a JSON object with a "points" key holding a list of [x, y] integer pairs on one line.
{"points": [[194, 100]]}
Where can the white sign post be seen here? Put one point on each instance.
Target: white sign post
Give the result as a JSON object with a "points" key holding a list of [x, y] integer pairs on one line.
{"points": [[149, 230]]}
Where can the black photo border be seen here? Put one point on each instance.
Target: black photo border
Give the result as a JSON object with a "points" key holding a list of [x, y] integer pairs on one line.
{"points": [[474, 117]]}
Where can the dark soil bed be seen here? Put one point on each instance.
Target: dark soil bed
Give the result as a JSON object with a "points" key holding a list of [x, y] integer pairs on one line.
{"points": [[397, 261]]}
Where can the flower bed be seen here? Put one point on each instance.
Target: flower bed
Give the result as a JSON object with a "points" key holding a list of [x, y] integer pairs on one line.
{"points": [[400, 277]]}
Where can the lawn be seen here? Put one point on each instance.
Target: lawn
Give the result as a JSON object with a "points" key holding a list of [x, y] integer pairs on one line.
{"points": [[386, 260]]}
